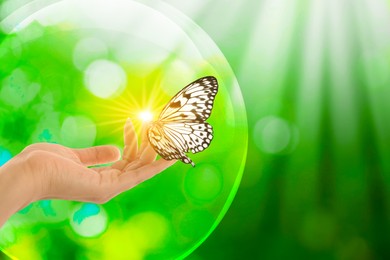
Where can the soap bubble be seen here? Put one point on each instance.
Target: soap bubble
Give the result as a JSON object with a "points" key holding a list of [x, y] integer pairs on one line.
{"points": [[98, 63]]}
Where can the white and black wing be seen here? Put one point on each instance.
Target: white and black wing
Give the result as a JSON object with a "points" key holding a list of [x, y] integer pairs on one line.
{"points": [[173, 140], [181, 126], [193, 103]]}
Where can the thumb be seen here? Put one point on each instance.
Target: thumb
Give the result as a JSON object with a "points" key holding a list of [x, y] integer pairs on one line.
{"points": [[98, 154]]}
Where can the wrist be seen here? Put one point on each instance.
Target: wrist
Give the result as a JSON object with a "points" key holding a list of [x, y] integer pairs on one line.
{"points": [[16, 192]]}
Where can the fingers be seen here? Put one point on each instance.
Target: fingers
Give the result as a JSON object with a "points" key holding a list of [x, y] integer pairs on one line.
{"points": [[146, 153], [131, 151], [121, 165], [148, 171], [101, 187], [144, 141], [131, 178], [148, 156], [132, 156], [131, 142], [111, 182], [97, 154]]}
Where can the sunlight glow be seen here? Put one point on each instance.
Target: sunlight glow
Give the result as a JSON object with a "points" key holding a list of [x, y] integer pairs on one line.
{"points": [[146, 116]]}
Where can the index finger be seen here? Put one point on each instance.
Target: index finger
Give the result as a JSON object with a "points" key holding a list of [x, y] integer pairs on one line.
{"points": [[131, 142], [97, 154]]}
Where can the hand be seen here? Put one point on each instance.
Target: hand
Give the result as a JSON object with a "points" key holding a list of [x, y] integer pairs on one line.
{"points": [[52, 171]]}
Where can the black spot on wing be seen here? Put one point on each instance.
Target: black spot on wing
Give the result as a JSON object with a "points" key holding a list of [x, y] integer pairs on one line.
{"points": [[176, 104]]}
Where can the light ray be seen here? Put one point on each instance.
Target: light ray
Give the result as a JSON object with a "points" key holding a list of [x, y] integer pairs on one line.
{"points": [[111, 114], [266, 55], [343, 96], [376, 68], [307, 112], [309, 89]]}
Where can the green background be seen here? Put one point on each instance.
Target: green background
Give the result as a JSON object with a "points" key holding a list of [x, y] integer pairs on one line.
{"points": [[315, 79]]}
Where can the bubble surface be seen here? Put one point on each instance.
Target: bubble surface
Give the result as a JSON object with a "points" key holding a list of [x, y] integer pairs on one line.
{"points": [[99, 63]]}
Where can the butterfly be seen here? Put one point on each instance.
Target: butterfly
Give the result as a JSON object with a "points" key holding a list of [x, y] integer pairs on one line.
{"points": [[181, 125]]}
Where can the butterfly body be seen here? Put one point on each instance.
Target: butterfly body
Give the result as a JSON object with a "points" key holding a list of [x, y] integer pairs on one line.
{"points": [[181, 126]]}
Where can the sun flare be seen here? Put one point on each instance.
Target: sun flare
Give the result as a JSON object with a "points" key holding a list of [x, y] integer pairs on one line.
{"points": [[145, 116]]}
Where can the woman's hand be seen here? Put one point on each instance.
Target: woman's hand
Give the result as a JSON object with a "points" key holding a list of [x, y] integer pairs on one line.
{"points": [[52, 171]]}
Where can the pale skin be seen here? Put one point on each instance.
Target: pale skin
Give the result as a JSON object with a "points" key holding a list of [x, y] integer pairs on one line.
{"points": [[52, 171]]}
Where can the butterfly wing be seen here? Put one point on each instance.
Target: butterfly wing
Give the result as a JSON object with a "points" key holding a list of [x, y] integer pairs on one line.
{"points": [[194, 137], [181, 126], [166, 145], [193, 103], [173, 140]]}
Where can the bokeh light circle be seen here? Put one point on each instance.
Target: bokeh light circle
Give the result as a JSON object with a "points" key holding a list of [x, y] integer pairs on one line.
{"points": [[275, 135], [78, 131], [88, 220], [5, 156], [104, 78], [84, 68]]}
